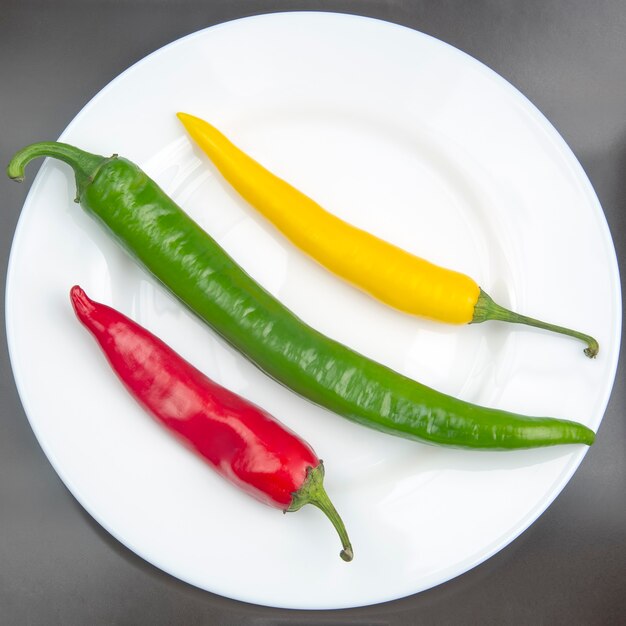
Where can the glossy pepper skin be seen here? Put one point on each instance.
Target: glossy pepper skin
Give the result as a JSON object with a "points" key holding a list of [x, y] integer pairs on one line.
{"points": [[167, 242], [394, 276], [242, 442]]}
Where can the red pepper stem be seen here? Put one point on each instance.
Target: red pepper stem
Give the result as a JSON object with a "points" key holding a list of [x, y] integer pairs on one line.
{"points": [[313, 492], [487, 309], [84, 164]]}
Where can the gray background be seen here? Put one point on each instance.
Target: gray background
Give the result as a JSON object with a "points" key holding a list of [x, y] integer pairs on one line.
{"points": [[57, 566]]}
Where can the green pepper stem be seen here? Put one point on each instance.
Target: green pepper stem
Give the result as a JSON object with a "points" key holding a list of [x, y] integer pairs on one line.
{"points": [[487, 309], [84, 164], [313, 492]]}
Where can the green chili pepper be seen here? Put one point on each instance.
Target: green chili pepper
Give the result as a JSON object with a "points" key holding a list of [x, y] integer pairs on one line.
{"points": [[167, 242]]}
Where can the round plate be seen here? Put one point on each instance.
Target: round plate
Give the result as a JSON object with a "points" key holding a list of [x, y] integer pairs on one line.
{"points": [[404, 136]]}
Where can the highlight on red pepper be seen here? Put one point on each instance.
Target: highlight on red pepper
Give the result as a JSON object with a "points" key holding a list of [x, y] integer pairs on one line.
{"points": [[241, 441]]}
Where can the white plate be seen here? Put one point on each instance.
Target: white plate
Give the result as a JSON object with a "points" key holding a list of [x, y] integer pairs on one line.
{"points": [[407, 137]]}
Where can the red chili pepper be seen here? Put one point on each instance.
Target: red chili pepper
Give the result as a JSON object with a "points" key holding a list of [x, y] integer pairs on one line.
{"points": [[238, 439]]}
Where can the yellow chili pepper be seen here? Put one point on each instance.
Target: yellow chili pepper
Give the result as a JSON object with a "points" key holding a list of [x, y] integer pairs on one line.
{"points": [[394, 276]]}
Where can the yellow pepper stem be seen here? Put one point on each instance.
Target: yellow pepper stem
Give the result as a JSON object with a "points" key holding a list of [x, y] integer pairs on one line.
{"points": [[487, 309]]}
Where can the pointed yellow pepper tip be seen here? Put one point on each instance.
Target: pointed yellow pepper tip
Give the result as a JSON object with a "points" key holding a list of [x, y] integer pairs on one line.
{"points": [[196, 126], [192, 124]]}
